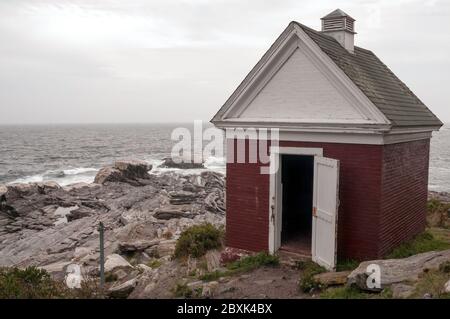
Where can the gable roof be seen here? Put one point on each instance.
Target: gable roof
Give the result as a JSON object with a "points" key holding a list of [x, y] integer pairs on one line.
{"points": [[392, 97], [379, 84]]}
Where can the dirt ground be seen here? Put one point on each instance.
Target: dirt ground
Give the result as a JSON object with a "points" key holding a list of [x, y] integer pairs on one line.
{"points": [[265, 282]]}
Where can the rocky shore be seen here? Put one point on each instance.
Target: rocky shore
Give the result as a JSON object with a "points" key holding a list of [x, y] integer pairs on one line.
{"points": [[46, 225]]}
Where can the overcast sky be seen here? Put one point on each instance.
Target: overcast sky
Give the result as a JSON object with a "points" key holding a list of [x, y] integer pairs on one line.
{"points": [[91, 61]]}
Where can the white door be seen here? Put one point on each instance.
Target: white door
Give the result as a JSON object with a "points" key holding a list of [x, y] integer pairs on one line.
{"points": [[279, 204], [325, 211]]}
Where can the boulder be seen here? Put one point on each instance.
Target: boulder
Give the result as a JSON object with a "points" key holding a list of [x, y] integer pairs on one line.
{"points": [[47, 185], [137, 245], [163, 249], [332, 278], [398, 270], [122, 290], [108, 174], [115, 261], [123, 171], [180, 163], [133, 169]]}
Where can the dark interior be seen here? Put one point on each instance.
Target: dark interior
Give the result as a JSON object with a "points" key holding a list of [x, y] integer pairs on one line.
{"points": [[297, 172]]}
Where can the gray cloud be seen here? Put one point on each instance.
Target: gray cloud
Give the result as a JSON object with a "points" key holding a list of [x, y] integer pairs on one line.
{"points": [[159, 61]]}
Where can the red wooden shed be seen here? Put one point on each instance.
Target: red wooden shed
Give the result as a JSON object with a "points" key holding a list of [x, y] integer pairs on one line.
{"points": [[352, 156]]}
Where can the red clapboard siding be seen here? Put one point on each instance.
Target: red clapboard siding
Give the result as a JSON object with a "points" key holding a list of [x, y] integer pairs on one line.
{"points": [[382, 197], [404, 192]]}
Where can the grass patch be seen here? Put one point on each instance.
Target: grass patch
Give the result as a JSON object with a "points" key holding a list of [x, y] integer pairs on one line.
{"points": [[308, 270], [183, 291], [214, 275], [154, 263], [432, 282], [252, 262], [197, 240], [354, 293], [423, 242], [347, 264], [243, 265], [437, 213]]}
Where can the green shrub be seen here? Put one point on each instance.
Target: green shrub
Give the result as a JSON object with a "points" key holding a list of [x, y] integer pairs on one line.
{"points": [[309, 269], [197, 240], [347, 264], [183, 291], [421, 243], [27, 283], [35, 283]]}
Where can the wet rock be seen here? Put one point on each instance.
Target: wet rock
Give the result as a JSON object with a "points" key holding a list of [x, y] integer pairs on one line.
{"points": [[180, 163]]}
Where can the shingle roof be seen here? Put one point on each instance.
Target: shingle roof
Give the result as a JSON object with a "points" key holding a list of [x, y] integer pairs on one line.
{"points": [[392, 97], [337, 14]]}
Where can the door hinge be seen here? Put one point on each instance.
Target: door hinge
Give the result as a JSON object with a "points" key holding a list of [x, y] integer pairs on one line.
{"points": [[314, 211]]}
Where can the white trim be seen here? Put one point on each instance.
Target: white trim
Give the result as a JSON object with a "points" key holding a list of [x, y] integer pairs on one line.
{"points": [[274, 215], [362, 137]]}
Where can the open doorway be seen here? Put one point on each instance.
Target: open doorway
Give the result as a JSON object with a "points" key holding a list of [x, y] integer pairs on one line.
{"points": [[297, 178]]}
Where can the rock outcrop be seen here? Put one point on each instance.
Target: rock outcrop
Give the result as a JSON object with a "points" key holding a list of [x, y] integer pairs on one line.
{"points": [[127, 171], [45, 225], [396, 271], [168, 162]]}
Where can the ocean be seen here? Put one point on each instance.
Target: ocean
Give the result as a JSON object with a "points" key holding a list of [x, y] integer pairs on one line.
{"points": [[73, 153]]}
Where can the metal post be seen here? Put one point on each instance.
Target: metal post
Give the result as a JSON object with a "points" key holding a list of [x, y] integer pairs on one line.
{"points": [[101, 230]]}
